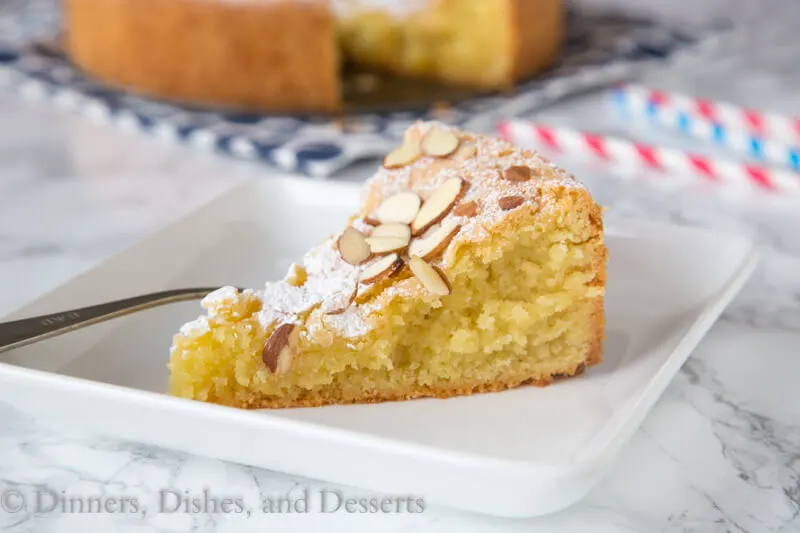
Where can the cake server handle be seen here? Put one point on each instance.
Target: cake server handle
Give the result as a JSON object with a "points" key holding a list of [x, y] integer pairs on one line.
{"points": [[30, 330]]}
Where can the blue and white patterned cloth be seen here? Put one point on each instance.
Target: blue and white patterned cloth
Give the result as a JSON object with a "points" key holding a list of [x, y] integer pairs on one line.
{"points": [[599, 51]]}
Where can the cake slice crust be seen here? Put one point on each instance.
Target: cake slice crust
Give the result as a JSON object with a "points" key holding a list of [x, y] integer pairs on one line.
{"points": [[524, 277]]}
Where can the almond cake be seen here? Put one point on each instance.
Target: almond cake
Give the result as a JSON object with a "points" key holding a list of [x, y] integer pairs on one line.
{"points": [[471, 266], [287, 55]]}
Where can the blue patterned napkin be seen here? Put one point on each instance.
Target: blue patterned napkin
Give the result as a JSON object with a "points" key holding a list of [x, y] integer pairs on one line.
{"points": [[600, 50]]}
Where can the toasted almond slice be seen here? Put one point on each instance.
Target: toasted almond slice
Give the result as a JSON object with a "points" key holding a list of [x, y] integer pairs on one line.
{"points": [[393, 229], [439, 143], [440, 271], [385, 245], [518, 173], [398, 268], [465, 151], [404, 155], [366, 290], [433, 244], [510, 202], [381, 268], [287, 354], [371, 220], [277, 354], [353, 246], [432, 279], [437, 205], [467, 209], [401, 207]]}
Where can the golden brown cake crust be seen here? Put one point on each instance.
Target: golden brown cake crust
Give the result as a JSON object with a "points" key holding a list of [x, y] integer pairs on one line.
{"points": [[276, 55], [538, 33], [428, 392]]}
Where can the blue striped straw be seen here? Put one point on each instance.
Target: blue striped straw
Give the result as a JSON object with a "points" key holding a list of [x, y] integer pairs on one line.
{"points": [[633, 105]]}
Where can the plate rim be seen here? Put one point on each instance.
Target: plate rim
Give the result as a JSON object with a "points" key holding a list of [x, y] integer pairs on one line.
{"points": [[608, 442], [703, 319]]}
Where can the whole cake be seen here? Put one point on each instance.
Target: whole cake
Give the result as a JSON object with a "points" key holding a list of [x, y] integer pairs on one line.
{"points": [[471, 266], [287, 54]]}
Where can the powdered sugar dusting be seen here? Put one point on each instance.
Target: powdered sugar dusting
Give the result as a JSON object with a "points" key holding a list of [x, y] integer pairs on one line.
{"points": [[224, 296], [195, 328], [350, 324], [328, 276], [396, 8]]}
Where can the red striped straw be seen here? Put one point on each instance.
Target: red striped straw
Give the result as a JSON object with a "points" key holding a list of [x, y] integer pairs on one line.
{"points": [[623, 152], [765, 125]]}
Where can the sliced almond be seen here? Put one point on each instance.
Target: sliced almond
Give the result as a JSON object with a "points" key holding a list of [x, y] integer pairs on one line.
{"points": [[465, 151], [518, 173], [341, 302], [287, 354], [353, 246], [371, 220], [394, 229], [510, 202], [433, 244], [401, 207], [433, 279], [385, 245], [437, 205], [467, 209], [277, 354], [444, 277], [404, 155], [439, 143], [383, 267]]}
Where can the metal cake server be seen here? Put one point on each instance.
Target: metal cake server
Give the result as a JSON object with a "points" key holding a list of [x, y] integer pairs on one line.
{"points": [[18, 333]]}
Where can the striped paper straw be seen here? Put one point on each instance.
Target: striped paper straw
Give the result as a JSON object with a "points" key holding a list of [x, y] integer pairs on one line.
{"points": [[621, 151], [765, 136]]}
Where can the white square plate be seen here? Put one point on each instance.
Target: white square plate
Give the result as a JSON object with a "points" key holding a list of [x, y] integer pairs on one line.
{"points": [[522, 452]]}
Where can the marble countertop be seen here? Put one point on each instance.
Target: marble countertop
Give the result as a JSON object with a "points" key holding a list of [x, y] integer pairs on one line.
{"points": [[719, 452]]}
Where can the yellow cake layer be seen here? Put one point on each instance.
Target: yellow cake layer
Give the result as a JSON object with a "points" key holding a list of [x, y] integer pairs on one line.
{"points": [[484, 43]]}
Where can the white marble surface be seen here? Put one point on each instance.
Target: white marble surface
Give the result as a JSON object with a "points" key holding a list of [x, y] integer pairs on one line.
{"points": [[719, 452]]}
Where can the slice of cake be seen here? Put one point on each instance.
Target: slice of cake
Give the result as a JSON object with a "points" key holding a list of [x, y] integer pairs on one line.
{"points": [[471, 266]]}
